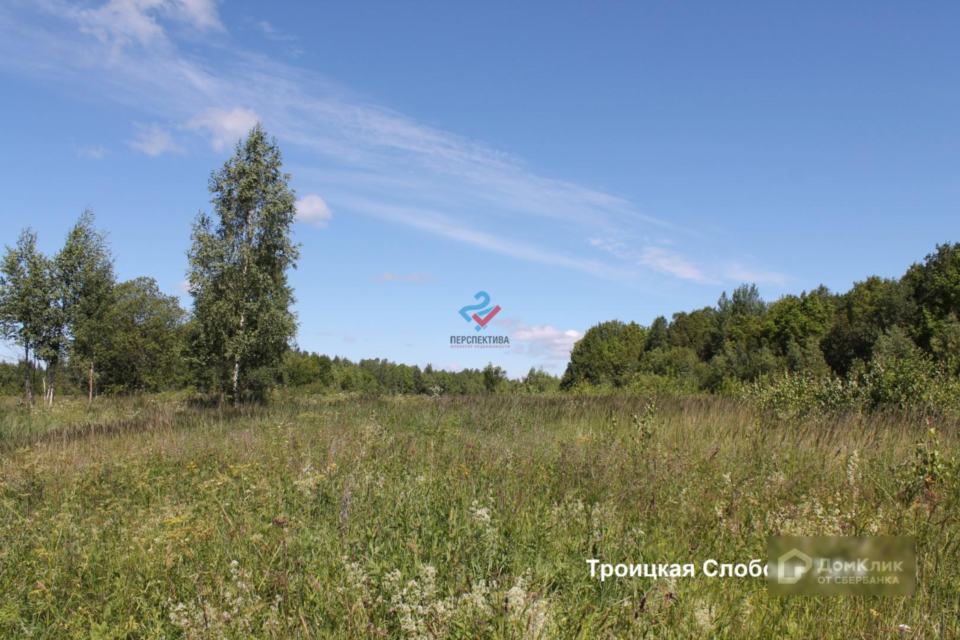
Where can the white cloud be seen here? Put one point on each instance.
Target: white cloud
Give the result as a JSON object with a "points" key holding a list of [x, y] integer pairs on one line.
{"points": [[415, 277], [543, 341], [225, 128], [122, 22], [201, 14], [153, 140], [95, 152], [313, 210], [125, 22]]}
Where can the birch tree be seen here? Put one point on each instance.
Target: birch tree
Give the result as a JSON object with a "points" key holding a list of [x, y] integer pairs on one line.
{"points": [[84, 283], [26, 300], [239, 260]]}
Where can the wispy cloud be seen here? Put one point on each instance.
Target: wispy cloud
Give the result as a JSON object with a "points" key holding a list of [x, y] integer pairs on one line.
{"points": [[363, 157], [96, 152], [657, 257], [662, 256], [416, 277], [445, 226], [273, 32], [125, 22], [739, 273], [153, 140], [672, 263]]}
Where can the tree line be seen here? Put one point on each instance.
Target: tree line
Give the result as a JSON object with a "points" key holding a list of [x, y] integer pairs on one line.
{"points": [[83, 331], [899, 337]]}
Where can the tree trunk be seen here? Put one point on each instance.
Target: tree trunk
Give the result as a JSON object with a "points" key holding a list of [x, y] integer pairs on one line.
{"points": [[90, 387], [236, 379], [53, 379], [26, 360], [246, 261], [236, 367]]}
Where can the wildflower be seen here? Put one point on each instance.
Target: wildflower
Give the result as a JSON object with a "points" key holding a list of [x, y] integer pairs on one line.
{"points": [[481, 515], [703, 616], [483, 518], [526, 610], [853, 468]]}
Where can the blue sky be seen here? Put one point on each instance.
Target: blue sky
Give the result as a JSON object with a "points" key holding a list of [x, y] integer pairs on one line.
{"points": [[578, 161]]}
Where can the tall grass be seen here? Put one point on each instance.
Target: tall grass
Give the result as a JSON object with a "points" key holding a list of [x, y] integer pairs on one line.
{"points": [[344, 517]]}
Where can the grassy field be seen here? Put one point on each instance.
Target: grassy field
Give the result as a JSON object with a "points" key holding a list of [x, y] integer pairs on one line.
{"points": [[321, 517]]}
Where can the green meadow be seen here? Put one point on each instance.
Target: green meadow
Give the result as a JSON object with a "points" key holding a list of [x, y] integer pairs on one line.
{"points": [[456, 517]]}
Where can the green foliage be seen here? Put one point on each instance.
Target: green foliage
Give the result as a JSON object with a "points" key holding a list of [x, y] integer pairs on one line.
{"points": [[657, 334], [884, 343], [646, 425], [55, 307], [608, 353], [694, 330], [26, 302], [13, 377], [936, 288], [794, 321], [380, 376], [799, 395], [494, 378], [928, 469], [142, 350], [863, 314], [538, 381], [238, 270], [301, 368], [85, 289]]}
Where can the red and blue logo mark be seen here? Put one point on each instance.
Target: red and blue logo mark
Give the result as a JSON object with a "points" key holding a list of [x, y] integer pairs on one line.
{"points": [[482, 313]]}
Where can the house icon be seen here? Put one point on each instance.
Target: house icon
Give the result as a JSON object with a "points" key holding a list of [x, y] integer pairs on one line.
{"points": [[792, 566]]}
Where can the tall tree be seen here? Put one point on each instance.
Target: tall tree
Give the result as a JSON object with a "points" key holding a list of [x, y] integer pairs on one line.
{"points": [[142, 350], [494, 378], [239, 261], [84, 281], [935, 284], [862, 315], [608, 353], [26, 300]]}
